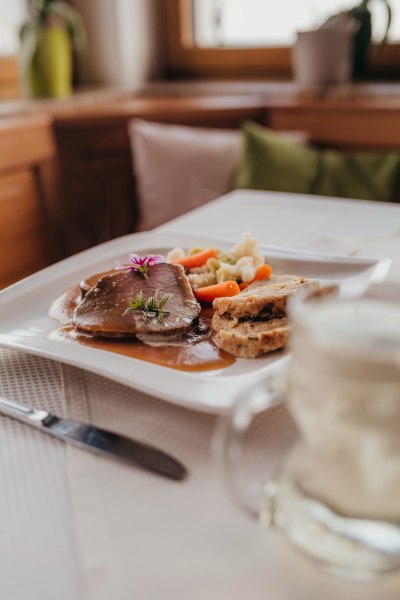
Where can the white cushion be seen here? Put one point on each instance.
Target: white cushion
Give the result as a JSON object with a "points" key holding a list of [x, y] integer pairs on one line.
{"points": [[179, 168]]}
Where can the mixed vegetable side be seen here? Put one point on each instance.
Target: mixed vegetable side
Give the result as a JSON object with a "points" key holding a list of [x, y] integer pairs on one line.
{"points": [[215, 273]]}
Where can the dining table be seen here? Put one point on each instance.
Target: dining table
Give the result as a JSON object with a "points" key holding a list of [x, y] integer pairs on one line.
{"points": [[74, 526]]}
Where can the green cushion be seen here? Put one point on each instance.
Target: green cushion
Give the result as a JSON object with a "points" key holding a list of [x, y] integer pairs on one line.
{"points": [[271, 162]]}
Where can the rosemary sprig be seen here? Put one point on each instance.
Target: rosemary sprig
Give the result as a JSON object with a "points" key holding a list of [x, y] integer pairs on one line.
{"points": [[152, 308]]}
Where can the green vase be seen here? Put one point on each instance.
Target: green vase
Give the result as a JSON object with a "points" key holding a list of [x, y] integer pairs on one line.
{"points": [[49, 73]]}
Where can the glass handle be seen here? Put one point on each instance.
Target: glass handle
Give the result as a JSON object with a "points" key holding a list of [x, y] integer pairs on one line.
{"points": [[229, 443]]}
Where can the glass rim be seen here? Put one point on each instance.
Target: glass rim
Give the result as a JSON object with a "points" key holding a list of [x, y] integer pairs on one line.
{"points": [[299, 304], [362, 327]]}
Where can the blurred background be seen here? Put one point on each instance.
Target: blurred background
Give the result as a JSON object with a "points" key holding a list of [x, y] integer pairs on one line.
{"points": [[75, 75], [130, 42]]}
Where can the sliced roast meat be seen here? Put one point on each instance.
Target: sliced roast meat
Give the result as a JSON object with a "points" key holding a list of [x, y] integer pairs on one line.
{"points": [[101, 311], [90, 281]]}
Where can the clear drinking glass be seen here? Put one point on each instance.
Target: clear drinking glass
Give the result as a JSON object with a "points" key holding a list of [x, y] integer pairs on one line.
{"points": [[336, 492]]}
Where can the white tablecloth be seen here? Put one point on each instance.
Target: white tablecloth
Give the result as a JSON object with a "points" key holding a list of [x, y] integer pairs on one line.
{"points": [[77, 527]]}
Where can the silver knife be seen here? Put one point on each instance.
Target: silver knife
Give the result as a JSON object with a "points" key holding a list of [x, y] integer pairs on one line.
{"points": [[96, 440]]}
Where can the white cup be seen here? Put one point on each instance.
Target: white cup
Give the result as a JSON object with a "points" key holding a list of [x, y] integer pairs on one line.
{"points": [[336, 493], [322, 56]]}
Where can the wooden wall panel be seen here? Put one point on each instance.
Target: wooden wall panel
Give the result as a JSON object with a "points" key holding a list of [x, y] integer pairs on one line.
{"points": [[29, 225], [83, 176], [10, 87], [25, 141], [99, 194], [22, 239], [355, 127]]}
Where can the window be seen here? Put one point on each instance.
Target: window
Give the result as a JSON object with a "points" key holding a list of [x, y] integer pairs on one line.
{"points": [[252, 38], [249, 23], [12, 14]]}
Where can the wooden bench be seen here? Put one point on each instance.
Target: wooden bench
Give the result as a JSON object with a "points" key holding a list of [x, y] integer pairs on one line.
{"points": [[29, 201], [99, 200], [96, 198]]}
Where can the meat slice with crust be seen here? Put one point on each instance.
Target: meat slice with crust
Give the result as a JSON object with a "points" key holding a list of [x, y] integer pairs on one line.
{"points": [[103, 309]]}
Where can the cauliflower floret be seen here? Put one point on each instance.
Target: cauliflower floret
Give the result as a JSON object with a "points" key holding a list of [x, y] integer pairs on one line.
{"points": [[202, 279], [248, 247], [226, 257], [226, 272], [213, 264], [239, 264], [195, 250], [197, 270], [209, 267], [205, 275], [245, 268], [175, 254]]}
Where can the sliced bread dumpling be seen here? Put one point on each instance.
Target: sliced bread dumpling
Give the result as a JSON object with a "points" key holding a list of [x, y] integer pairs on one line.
{"points": [[264, 299], [249, 339]]}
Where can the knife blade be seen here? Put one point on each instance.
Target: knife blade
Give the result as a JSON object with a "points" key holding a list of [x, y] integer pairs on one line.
{"points": [[96, 440]]}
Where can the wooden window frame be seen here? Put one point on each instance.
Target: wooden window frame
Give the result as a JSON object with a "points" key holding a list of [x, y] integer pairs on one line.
{"points": [[184, 59], [9, 77]]}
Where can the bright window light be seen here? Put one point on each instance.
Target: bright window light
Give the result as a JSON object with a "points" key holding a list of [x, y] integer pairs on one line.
{"points": [[12, 15], [275, 22]]}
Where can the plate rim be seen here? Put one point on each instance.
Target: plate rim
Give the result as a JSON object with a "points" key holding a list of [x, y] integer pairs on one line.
{"points": [[222, 387]]}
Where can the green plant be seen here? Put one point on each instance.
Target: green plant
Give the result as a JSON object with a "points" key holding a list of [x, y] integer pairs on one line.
{"points": [[363, 36], [359, 19], [47, 38]]}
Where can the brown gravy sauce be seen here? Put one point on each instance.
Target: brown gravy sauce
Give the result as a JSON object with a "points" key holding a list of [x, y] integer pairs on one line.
{"points": [[196, 353]]}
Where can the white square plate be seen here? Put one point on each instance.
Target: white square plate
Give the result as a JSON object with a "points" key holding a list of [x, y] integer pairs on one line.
{"points": [[25, 324]]}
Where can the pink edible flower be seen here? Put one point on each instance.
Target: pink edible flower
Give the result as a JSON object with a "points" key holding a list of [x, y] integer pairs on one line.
{"points": [[141, 264]]}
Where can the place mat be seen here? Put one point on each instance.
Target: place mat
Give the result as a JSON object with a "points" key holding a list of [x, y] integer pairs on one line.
{"points": [[37, 549], [142, 536], [74, 526]]}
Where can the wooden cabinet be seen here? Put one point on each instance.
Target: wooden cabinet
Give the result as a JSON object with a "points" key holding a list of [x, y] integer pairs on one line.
{"points": [[98, 189], [99, 194], [347, 125], [66, 179], [99, 197], [22, 246], [28, 197]]}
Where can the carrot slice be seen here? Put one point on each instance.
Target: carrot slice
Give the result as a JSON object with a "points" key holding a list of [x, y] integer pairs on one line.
{"points": [[198, 259], [218, 290], [263, 272]]}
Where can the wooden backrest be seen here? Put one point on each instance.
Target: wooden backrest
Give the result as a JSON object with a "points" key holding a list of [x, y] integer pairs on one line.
{"points": [[97, 179], [28, 197]]}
